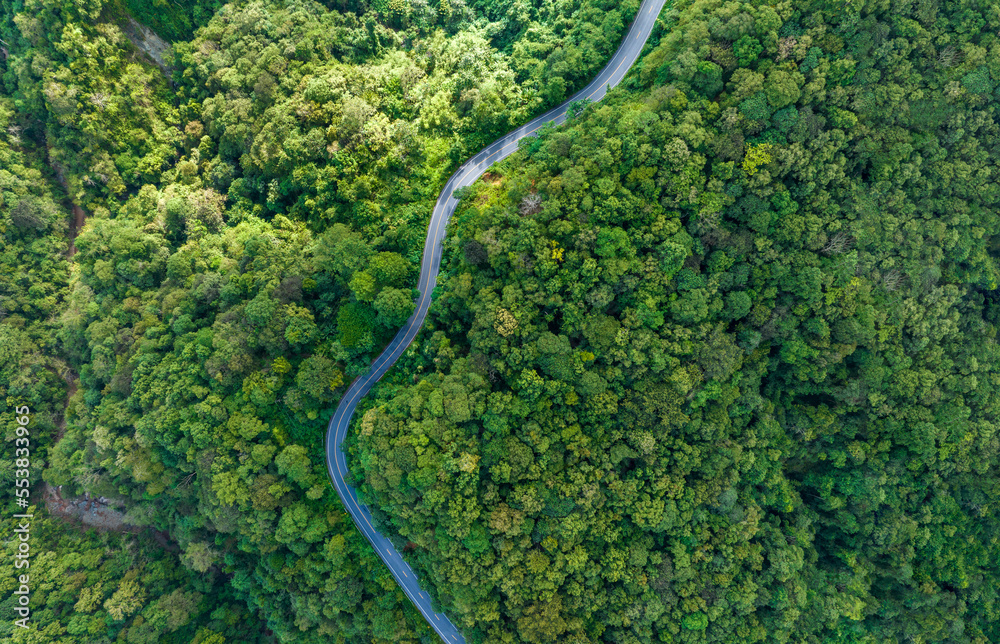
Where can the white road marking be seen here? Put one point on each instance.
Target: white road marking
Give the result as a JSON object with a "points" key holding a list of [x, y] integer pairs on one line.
{"points": [[341, 421]]}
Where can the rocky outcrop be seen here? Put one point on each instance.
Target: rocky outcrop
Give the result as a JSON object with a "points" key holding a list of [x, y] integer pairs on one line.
{"points": [[149, 43]]}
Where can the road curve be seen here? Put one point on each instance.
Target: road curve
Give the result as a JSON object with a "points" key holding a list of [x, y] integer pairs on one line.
{"points": [[466, 175]]}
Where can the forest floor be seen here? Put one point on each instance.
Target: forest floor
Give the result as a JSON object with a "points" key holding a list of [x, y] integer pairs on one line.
{"points": [[89, 511]]}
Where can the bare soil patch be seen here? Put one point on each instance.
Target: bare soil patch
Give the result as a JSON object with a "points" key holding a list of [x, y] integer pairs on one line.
{"points": [[91, 512]]}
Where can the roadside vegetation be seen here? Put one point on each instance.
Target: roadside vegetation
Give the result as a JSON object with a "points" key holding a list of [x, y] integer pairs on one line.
{"points": [[715, 362], [254, 222]]}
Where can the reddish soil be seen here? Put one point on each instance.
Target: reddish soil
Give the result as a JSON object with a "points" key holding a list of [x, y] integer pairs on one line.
{"points": [[79, 217], [79, 214]]}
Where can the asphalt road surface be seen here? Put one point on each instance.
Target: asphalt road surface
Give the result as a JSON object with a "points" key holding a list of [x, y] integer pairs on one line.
{"points": [[466, 175]]}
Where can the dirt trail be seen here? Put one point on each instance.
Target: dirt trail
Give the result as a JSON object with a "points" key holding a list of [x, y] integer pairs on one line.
{"points": [[146, 40], [79, 214], [79, 217], [97, 512]]}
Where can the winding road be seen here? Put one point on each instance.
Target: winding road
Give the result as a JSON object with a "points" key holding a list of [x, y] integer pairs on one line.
{"points": [[466, 175]]}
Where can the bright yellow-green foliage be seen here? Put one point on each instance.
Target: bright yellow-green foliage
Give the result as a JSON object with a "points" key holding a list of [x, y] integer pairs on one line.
{"points": [[255, 221], [656, 400], [557, 251], [88, 585], [751, 407], [756, 156]]}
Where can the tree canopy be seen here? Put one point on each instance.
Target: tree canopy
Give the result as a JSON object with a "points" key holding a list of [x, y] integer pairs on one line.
{"points": [[717, 362], [713, 362]]}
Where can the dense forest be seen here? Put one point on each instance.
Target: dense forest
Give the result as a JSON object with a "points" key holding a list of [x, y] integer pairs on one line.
{"points": [[713, 362], [90, 587], [717, 362], [255, 214]]}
